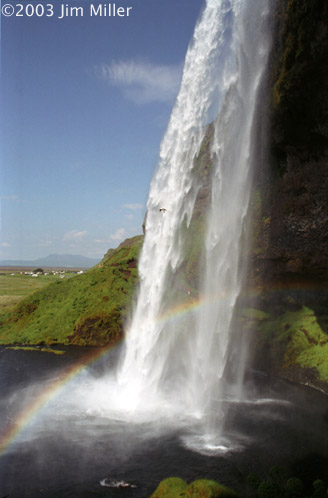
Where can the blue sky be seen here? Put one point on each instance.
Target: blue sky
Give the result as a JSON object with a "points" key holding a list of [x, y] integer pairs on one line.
{"points": [[85, 102]]}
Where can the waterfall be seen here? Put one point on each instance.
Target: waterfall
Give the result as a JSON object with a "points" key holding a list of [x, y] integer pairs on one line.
{"points": [[178, 340]]}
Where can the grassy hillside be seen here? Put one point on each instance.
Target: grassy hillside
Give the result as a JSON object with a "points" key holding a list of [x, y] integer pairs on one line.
{"points": [[90, 309], [13, 288], [87, 309]]}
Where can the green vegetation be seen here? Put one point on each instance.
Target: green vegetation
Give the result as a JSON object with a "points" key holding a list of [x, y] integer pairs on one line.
{"points": [[279, 484], [293, 339], [43, 350], [90, 309], [87, 309], [170, 487], [13, 288], [174, 487]]}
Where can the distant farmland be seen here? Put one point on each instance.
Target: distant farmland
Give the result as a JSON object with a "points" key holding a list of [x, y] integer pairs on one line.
{"points": [[15, 285]]}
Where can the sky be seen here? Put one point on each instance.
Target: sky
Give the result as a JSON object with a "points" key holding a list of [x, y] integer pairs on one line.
{"points": [[85, 102]]}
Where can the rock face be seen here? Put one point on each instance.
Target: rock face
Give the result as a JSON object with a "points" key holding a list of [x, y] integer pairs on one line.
{"points": [[292, 233], [294, 209], [289, 254], [298, 235]]}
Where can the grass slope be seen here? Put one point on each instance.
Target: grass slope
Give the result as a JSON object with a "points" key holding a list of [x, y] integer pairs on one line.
{"points": [[90, 309], [87, 309], [13, 288]]}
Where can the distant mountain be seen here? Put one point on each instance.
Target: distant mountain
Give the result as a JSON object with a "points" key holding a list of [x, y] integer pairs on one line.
{"points": [[55, 260]]}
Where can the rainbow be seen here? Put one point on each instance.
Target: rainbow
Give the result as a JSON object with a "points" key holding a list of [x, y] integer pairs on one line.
{"points": [[30, 412], [24, 419]]}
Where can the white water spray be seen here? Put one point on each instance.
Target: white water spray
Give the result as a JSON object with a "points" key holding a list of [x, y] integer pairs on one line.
{"points": [[183, 361]]}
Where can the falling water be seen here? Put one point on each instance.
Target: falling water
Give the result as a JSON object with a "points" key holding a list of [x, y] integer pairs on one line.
{"points": [[182, 357]]}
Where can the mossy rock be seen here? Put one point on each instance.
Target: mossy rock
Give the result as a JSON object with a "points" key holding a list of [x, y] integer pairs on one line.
{"points": [[99, 329], [174, 487], [203, 488], [307, 344], [296, 343]]}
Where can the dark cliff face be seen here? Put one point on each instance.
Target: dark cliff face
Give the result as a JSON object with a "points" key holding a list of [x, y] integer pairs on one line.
{"points": [[300, 77], [292, 221], [289, 251]]}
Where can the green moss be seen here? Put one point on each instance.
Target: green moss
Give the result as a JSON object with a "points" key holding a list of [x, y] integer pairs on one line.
{"points": [[174, 487], [316, 357], [203, 488], [296, 338], [100, 329], [63, 311], [268, 489], [43, 350], [294, 487]]}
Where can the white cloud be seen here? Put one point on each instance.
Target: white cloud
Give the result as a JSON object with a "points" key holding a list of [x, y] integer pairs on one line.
{"points": [[5, 244], [129, 216], [143, 82], [74, 235], [119, 235], [134, 207]]}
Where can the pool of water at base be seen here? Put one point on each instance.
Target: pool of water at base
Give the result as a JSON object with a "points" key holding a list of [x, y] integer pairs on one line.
{"points": [[52, 452]]}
